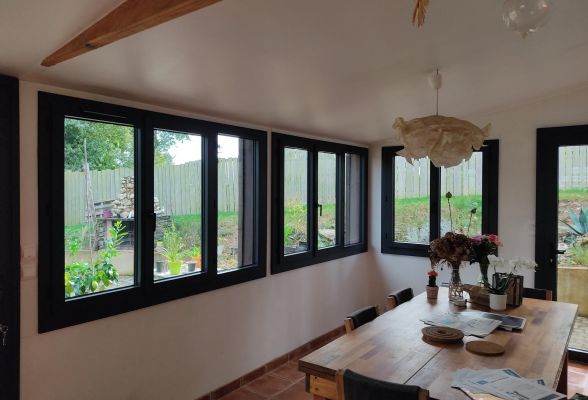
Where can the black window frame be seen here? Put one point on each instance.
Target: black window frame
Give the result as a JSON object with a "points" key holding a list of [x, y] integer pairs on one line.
{"points": [[281, 262], [490, 152], [57, 312]]}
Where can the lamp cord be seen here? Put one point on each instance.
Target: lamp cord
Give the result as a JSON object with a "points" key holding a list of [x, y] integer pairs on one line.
{"points": [[437, 95]]}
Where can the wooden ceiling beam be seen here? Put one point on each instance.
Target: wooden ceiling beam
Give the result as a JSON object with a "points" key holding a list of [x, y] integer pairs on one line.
{"points": [[130, 17]]}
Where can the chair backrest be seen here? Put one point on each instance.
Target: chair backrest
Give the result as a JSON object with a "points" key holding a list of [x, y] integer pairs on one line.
{"points": [[541, 294], [397, 298], [354, 386], [360, 317]]}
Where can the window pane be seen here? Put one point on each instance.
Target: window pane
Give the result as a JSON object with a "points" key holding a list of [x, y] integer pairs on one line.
{"points": [[177, 191], [411, 200], [236, 202], [327, 198], [295, 200], [352, 199], [464, 181], [99, 206]]}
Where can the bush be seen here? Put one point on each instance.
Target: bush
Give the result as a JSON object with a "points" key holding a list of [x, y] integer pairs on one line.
{"points": [[82, 278]]}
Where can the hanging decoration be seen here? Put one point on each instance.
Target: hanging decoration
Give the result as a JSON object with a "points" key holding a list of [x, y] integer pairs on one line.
{"points": [[526, 16], [447, 141], [523, 16], [419, 12]]}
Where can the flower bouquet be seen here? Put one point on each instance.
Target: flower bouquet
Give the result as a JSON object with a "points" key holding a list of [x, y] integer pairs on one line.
{"points": [[484, 246], [451, 249]]}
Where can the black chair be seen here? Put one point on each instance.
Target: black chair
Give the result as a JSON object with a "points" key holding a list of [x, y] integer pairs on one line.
{"points": [[353, 386], [541, 294], [397, 298], [360, 317]]}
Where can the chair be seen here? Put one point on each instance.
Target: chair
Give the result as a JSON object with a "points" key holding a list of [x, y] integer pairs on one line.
{"points": [[397, 298], [360, 317], [541, 294], [353, 386]]}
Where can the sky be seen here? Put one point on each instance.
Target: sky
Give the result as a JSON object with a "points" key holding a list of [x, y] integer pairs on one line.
{"points": [[186, 151]]}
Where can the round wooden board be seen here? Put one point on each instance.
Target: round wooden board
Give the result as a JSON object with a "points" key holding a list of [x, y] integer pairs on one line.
{"points": [[442, 334], [485, 348]]}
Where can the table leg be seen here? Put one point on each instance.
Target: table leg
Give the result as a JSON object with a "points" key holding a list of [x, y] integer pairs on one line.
{"points": [[562, 384], [320, 388]]}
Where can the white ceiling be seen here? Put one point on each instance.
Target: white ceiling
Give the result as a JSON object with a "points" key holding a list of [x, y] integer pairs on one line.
{"points": [[337, 68]]}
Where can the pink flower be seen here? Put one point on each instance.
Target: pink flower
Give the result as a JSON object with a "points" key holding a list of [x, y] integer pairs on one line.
{"points": [[478, 239]]}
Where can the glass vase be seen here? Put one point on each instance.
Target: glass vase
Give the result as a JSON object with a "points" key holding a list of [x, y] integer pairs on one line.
{"points": [[483, 273], [455, 285]]}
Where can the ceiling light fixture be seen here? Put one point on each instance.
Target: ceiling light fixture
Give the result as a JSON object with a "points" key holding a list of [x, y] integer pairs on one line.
{"points": [[526, 16], [447, 141]]}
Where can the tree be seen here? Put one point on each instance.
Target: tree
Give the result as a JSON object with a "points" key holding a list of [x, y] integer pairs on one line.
{"points": [[109, 145]]}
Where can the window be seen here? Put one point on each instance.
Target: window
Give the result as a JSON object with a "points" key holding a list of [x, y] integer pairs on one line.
{"points": [[319, 197], [415, 209], [137, 208]]}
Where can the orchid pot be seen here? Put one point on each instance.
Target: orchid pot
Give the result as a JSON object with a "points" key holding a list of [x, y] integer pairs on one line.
{"points": [[498, 301]]}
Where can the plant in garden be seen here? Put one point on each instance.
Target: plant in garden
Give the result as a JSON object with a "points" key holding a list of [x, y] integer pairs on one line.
{"points": [[195, 252], [579, 253], [173, 249], [294, 223], [82, 277], [579, 225]]}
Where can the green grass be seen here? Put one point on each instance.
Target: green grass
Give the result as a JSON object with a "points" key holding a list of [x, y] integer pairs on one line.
{"points": [[295, 225], [412, 217], [573, 195]]}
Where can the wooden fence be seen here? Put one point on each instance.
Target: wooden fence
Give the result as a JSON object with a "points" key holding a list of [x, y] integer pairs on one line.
{"points": [[573, 167], [178, 186], [462, 180]]}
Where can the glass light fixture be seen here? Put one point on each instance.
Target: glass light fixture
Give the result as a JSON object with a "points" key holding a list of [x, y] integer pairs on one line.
{"points": [[447, 141], [526, 16]]}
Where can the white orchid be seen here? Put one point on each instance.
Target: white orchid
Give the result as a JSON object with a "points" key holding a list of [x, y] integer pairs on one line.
{"points": [[496, 262], [522, 262]]}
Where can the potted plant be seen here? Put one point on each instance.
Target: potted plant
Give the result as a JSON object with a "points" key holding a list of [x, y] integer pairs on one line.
{"points": [[173, 250], [432, 288], [195, 260], [503, 282]]}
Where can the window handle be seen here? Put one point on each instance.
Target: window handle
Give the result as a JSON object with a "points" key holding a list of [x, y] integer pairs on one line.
{"points": [[320, 207]]}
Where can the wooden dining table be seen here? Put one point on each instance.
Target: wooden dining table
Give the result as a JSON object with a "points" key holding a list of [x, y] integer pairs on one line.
{"points": [[391, 348]]}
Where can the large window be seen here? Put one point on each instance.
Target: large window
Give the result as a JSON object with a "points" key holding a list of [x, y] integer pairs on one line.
{"points": [[319, 201], [414, 204], [137, 208]]}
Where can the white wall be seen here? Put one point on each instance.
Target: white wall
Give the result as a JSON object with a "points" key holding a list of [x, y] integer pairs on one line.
{"points": [[180, 349], [516, 129]]}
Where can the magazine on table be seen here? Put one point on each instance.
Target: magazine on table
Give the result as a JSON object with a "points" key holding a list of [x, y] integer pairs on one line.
{"points": [[503, 383], [468, 323]]}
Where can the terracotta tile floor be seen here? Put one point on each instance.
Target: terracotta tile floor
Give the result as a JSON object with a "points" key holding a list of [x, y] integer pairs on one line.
{"points": [[283, 383], [287, 383], [577, 379]]}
